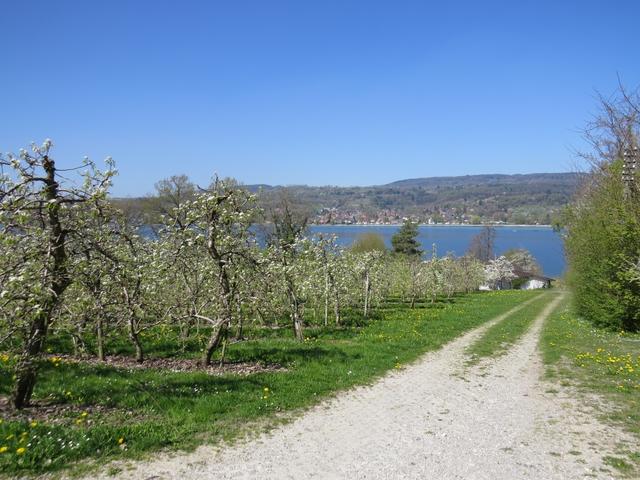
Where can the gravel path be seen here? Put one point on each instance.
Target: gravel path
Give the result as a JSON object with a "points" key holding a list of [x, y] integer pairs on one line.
{"points": [[434, 419]]}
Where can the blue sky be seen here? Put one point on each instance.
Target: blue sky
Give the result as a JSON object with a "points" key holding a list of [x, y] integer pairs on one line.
{"points": [[341, 93]]}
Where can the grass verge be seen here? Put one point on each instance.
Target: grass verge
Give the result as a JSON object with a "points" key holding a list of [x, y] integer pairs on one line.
{"points": [[110, 413], [499, 337], [598, 362]]}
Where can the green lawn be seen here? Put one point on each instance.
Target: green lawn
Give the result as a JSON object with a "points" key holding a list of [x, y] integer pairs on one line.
{"points": [[598, 362], [499, 337], [115, 413]]}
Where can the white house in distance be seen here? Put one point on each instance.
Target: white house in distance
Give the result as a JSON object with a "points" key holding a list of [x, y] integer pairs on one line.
{"points": [[533, 282], [500, 274]]}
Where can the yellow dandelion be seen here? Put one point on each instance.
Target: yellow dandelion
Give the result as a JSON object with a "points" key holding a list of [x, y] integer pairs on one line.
{"points": [[20, 451], [120, 440], [3, 449], [33, 424]]}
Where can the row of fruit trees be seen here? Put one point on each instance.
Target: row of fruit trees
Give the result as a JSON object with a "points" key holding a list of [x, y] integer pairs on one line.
{"points": [[70, 261]]}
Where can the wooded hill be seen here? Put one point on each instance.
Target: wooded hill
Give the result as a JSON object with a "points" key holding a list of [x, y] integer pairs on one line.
{"points": [[523, 199]]}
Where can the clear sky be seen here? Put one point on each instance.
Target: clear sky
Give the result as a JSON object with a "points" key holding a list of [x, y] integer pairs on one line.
{"points": [[314, 92]]}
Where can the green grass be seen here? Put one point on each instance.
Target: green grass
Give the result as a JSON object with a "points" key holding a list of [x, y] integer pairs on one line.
{"points": [[598, 362], [499, 337], [153, 409]]}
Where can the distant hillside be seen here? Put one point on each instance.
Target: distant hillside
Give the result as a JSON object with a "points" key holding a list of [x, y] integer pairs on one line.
{"points": [[492, 179], [524, 199]]}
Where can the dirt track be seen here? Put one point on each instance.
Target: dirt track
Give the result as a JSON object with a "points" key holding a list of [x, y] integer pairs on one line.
{"points": [[433, 419]]}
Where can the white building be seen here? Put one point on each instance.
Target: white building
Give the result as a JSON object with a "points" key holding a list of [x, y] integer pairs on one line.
{"points": [[535, 282]]}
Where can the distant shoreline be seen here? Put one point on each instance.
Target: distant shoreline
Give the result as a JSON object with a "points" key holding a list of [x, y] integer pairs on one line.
{"points": [[439, 225]]}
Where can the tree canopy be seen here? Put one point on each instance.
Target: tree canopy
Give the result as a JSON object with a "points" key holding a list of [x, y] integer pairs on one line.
{"points": [[405, 240], [523, 261], [482, 246]]}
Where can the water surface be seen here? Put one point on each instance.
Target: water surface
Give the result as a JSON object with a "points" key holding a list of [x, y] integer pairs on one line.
{"points": [[543, 242]]}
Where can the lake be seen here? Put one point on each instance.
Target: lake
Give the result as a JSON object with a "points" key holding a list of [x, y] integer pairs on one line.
{"points": [[543, 242]]}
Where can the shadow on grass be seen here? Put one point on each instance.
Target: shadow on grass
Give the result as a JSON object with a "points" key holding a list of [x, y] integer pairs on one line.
{"points": [[120, 387]]}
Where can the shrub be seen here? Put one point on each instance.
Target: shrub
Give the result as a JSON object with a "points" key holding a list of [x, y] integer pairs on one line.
{"points": [[368, 242], [602, 241]]}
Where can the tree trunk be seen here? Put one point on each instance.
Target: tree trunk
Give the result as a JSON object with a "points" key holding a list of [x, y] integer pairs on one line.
{"points": [[100, 340], [74, 341], [367, 288], [79, 347], [217, 335], [185, 327], [326, 297], [296, 313], [220, 330], [240, 326], [297, 325], [240, 323], [261, 315], [27, 367], [184, 332], [336, 307], [224, 350], [135, 339]]}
